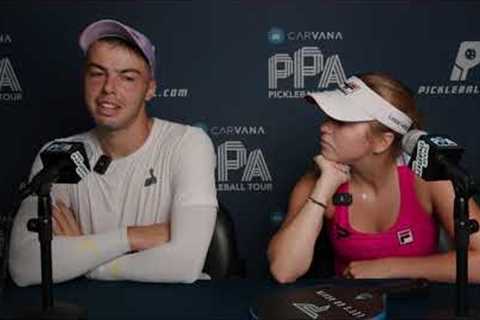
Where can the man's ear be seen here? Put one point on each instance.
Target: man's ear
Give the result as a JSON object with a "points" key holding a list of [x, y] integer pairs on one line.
{"points": [[151, 90], [383, 141]]}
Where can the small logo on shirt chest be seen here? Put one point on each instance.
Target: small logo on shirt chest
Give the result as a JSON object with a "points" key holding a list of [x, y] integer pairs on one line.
{"points": [[405, 236], [150, 180]]}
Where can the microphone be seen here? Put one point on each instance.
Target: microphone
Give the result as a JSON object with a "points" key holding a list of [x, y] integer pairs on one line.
{"points": [[102, 164], [433, 157], [436, 157], [63, 162]]}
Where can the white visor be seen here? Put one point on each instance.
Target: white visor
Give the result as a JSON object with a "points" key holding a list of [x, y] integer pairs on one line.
{"points": [[355, 101]]}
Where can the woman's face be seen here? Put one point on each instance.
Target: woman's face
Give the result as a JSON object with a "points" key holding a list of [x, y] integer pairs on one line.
{"points": [[345, 142]]}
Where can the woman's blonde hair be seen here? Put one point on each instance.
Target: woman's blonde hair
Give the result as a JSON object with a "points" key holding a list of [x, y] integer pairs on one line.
{"points": [[400, 96]]}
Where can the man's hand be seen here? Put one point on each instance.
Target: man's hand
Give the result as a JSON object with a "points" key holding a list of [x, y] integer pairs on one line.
{"points": [[146, 237], [64, 223], [369, 269]]}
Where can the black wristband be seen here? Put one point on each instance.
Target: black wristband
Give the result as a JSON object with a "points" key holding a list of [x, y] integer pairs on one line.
{"points": [[321, 204]]}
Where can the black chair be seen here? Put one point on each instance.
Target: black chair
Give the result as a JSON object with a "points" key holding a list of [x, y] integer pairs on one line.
{"points": [[476, 196], [222, 260], [322, 264]]}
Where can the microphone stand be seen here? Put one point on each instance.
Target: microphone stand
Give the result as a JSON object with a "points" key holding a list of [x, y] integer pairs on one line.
{"points": [[43, 226], [464, 188]]}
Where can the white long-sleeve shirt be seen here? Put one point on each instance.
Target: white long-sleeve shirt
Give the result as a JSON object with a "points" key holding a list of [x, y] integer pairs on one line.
{"points": [[170, 178]]}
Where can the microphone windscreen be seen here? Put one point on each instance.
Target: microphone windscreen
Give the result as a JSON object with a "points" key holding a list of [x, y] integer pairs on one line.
{"points": [[67, 160], [410, 139]]}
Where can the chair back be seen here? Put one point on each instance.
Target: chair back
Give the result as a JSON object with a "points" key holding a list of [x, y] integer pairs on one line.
{"points": [[222, 258]]}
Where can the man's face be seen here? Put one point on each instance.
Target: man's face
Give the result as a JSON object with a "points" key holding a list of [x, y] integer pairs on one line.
{"points": [[117, 84]]}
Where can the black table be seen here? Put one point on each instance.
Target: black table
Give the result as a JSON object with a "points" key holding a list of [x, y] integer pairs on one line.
{"points": [[226, 299]]}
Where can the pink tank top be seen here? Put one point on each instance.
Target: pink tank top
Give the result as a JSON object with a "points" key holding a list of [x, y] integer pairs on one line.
{"points": [[414, 233]]}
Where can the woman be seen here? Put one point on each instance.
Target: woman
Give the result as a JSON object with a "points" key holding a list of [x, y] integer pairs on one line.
{"points": [[390, 229]]}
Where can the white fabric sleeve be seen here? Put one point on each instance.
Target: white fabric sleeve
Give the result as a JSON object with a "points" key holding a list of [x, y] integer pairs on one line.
{"points": [[194, 177], [71, 256], [192, 222], [179, 260]]}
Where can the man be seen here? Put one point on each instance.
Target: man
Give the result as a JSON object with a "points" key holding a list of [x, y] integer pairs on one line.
{"points": [[150, 216]]}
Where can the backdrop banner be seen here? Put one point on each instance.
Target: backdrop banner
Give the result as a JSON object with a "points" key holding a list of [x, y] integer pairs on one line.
{"points": [[239, 70]]}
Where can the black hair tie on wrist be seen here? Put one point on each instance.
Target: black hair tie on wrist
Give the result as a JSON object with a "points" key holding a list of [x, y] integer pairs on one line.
{"points": [[321, 204]]}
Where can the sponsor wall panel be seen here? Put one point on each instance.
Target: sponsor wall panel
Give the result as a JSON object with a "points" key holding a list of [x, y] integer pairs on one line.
{"points": [[239, 71]]}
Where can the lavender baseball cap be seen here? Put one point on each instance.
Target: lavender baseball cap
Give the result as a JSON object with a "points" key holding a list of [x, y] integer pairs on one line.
{"points": [[112, 28]]}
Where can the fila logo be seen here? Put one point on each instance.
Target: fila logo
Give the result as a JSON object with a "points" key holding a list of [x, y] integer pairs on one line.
{"points": [[311, 309], [8, 78], [405, 236]]}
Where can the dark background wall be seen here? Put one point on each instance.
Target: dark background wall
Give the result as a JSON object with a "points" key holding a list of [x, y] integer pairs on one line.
{"points": [[213, 72]]}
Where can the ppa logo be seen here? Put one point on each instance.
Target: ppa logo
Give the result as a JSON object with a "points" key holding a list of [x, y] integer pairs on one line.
{"points": [[468, 57], [443, 142], [310, 309], [306, 63], [59, 147], [10, 89], [5, 38], [234, 161]]}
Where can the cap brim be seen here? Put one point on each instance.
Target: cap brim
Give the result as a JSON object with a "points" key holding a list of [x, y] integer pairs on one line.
{"points": [[338, 106]]}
